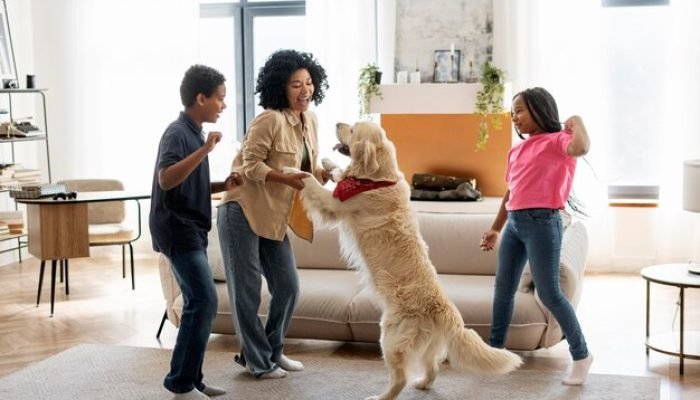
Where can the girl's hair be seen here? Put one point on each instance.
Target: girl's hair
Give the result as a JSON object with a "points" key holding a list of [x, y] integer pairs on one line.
{"points": [[542, 107], [273, 77]]}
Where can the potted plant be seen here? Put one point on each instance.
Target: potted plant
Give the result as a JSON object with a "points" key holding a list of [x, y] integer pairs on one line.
{"points": [[489, 102], [368, 86]]}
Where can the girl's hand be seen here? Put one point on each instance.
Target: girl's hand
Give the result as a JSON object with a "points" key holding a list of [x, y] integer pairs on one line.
{"points": [[488, 240], [572, 123]]}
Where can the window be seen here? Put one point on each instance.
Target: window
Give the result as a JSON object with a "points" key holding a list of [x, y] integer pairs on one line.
{"points": [[237, 37]]}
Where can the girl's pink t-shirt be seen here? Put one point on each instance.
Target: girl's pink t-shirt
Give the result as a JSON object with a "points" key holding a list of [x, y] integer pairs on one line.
{"points": [[539, 172]]}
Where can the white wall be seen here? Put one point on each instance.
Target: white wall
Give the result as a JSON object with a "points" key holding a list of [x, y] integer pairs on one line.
{"points": [[113, 70]]}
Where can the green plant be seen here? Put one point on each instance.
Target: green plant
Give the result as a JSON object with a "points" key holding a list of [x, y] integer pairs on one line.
{"points": [[489, 102], [368, 86]]}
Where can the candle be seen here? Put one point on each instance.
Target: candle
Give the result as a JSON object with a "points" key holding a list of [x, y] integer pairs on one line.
{"points": [[452, 49]]}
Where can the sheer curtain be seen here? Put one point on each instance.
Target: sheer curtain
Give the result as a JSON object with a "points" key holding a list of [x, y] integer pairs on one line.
{"points": [[637, 92], [113, 71], [342, 34]]}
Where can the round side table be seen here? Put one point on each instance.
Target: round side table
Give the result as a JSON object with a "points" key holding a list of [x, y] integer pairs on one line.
{"points": [[676, 275]]}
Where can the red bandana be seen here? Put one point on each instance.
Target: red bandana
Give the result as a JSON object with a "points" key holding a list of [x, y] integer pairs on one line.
{"points": [[349, 187]]}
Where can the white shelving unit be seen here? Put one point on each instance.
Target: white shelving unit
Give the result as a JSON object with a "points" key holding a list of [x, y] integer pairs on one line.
{"points": [[21, 241]]}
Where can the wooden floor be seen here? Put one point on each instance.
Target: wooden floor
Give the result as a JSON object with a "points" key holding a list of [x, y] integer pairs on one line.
{"points": [[102, 308]]}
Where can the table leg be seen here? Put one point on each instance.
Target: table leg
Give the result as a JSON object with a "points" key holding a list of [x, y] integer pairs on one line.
{"points": [[647, 322], [41, 281], [65, 265], [682, 324], [133, 278], [53, 284]]}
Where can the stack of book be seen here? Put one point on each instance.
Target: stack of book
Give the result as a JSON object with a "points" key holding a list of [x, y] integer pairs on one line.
{"points": [[7, 179], [27, 176], [13, 220]]}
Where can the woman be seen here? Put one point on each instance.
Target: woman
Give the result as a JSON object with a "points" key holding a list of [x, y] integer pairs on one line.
{"points": [[252, 220]]}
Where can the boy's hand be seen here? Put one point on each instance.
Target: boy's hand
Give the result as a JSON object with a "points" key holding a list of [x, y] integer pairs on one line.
{"points": [[212, 139], [233, 180]]}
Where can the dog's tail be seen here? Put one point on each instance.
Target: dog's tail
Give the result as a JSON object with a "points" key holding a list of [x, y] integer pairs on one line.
{"points": [[468, 351]]}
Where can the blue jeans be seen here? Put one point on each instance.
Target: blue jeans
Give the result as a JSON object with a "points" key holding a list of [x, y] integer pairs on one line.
{"points": [[247, 258], [193, 274], [534, 235]]}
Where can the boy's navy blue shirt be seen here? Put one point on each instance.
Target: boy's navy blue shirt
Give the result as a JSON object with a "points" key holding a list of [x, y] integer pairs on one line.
{"points": [[180, 218]]}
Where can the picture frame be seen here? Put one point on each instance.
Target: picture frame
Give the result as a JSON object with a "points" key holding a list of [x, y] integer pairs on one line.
{"points": [[8, 69], [446, 64]]}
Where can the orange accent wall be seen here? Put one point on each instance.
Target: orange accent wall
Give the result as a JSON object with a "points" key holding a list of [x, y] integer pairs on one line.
{"points": [[445, 144]]}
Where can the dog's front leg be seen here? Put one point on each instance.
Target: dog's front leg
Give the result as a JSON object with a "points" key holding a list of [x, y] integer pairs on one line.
{"points": [[316, 199], [320, 201]]}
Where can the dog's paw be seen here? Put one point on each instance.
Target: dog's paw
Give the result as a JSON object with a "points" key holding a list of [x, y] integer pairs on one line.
{"points": [[422, 384], [333, 168], [328, 164], [291, 170]]}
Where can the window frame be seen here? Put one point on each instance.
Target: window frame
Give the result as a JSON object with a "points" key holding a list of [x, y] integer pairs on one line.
{"points": [[244, 13]]}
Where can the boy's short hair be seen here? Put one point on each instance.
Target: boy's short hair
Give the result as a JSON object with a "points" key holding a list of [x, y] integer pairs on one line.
{"points": [[199, 79]]}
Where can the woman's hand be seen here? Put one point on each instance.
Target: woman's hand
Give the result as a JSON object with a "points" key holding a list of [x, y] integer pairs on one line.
{"points": [[295, 180], [488, 240]]}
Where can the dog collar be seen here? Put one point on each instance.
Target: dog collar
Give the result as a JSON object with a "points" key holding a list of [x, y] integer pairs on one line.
{"points": [[349, 187]]}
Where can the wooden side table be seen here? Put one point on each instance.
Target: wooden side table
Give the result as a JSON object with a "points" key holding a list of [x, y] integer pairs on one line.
{"points": [[58, 229], [676, 275]]}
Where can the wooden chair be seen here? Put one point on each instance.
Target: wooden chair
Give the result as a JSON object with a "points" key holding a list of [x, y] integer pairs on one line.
{"points": [[106, 220]]}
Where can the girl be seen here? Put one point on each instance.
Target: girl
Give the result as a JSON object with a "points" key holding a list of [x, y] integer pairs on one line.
{"points": [[539, 174]]}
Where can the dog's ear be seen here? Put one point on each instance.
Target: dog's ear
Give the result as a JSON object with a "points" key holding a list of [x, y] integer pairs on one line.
{"points": [[366, 153]]}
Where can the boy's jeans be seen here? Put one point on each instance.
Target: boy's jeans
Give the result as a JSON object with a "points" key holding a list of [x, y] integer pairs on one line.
{"points": [[193, 274]]}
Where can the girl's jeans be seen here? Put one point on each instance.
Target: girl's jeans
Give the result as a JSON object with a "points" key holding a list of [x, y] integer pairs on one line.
{"points": [[534, 235]]}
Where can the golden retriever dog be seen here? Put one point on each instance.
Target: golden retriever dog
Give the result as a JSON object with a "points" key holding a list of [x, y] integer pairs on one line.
{"points": [[420, 326]]}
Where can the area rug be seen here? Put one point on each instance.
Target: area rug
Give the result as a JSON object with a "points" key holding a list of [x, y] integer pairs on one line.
{"points": [[105, 372]]}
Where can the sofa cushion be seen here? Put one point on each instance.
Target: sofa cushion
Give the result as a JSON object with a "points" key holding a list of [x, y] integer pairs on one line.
{"points": [[216, 262], [473, 296], [322, 308], [322, 253], [453, 242]]}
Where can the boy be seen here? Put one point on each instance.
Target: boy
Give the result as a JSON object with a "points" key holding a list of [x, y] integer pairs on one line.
{"points": [[180, 220]]}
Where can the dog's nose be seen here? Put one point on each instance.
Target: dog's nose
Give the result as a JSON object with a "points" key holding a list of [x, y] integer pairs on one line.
{"points": [[338, 124]]}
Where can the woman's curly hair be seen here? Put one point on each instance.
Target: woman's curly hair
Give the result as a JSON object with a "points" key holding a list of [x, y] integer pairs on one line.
{"points": [[279, 67]]}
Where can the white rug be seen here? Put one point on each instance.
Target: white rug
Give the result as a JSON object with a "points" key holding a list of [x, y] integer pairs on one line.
{"points": [[102, 372]]}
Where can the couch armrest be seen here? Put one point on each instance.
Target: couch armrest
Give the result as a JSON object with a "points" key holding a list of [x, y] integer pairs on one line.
{"points": [[574, 252], [171, 289]]}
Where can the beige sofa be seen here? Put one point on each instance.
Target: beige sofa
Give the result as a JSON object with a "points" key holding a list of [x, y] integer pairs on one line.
{"points": [[335, 305]]}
